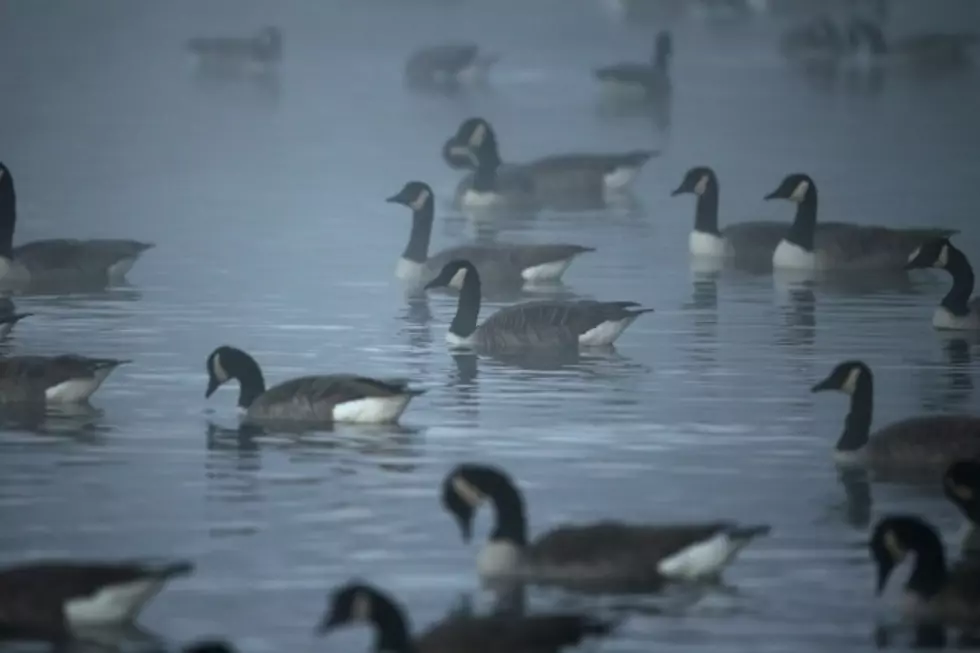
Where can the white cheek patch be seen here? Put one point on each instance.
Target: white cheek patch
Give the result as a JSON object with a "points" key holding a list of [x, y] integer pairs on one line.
{"points": [[895, 549], [476, 138], [850, 383], [467, 491], [702, 185], [799, 193], [943, 259], [360, 609], [218, 369], [420, 201], [914, 255]]}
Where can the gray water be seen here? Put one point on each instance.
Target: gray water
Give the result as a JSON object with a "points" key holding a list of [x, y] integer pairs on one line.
{"points": [[272, 235]]}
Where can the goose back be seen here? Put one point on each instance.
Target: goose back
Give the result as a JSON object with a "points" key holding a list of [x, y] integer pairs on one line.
{"points": [[315, 398], [550, 322], [503, 264], [546, 633], [35, 378], [928, 443], [850, 245], [108, 257]]}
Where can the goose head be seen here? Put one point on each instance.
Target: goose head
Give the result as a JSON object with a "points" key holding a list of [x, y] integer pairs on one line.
{"points": [[358, 602], [845, 378], [415, 195], [697, 181], [226, 363], [663, 48], [456, 155], [933, 254], [466, 488], [797, 187], [894, 537], [476, 139], [449, 271], [961, 484]]}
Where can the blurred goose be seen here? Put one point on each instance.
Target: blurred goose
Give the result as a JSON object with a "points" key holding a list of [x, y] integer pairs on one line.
{"points": [[64, 379], [650, 80], [9, 316], [209, 646], [927, 443], [544, 633], [256, 53], [50, 599], [935, 592], [600, 556], [957, 310], [757, 239], [961, 485], [498, 264], [922, 52], [840, 245], [448, 66], [537, 324], [817, 41], [63, 260], [325, 398]]}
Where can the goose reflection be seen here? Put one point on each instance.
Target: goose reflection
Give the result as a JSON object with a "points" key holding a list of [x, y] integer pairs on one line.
{"points": [[952, 391], [857, 496], [81, 422], [799, 316], [926, 636], [704, 309], [130, 638]]}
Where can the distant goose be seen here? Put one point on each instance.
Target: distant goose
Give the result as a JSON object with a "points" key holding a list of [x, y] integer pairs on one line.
{"points": [[840, 245], [545, 633], [9, 316], [64, 379], [652, 80], [543, 179], [961, 485], [448, 66], [757, 239], [927, 443], [58, 261], [922, 52], [257, 53], [957, 310], [498, 264], [51, 599], [600, 556], [934, 592], [817, 41], [537, 324], [308, 399]]}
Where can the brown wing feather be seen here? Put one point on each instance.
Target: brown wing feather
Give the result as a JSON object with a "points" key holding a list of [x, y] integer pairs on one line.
{"points": [[928, 442], [314, 397], [531, 634]]}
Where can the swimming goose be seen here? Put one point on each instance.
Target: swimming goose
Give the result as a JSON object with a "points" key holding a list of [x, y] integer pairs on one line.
{"points": [[51, 598], [651, 80], [921, 52], [961, 485], [599, 556], [61, 379], [58, 261], [448, 66], [257, 53], [927, 443], [325, 399], [840, 245], [498, 263], [935, 592], [757, 239], [957, 311], [9, 316], [537, 324], [543, 633]]}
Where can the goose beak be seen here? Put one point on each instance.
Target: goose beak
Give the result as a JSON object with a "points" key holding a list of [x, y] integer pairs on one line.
{"points": [[328, 623], [823, 386], [392, 200], [680, 190], [773, 195], [213, 385]]}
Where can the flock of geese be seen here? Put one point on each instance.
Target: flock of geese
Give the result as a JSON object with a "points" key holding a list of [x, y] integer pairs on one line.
{"points": [[59, 599]]}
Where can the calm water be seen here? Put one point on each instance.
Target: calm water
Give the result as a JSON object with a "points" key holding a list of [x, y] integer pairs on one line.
{"points": [[273, 236]]}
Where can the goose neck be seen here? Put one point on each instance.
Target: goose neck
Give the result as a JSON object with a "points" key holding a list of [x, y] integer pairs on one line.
{"points": [[929, 573], [511, 522], [8, 214], [392, 634], [417, 249], [706, 211], [804, 227], [857, 424], [957, 300], [251, 383], [468, 308]]}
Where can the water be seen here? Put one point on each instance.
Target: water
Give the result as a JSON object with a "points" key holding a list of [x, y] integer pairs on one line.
{"points": [[273, 236]]}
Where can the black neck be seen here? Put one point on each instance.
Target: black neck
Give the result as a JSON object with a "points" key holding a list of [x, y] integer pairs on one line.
{"points": [[929, 574], [417, 249], [957, 300], [804, 226], [468, 308], [660, 60], [392, 630], [857, 425], [251, 383], [485, 175], [511, 523], [8, 214], [706, 211]]}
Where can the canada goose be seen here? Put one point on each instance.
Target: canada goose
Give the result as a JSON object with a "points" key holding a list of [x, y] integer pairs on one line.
{"points": [[537, 324], [599, 556], [325, 398], [544, 179], [651, 80], [840, 245], [51, 598], [448, 66], [961, 485], [53, 379], [957, 311], [9, 316], [498, 264], [61, 260], [236, 54], [757, 239], [544, 633], [927, 443], [921, 52], [935, 593]]}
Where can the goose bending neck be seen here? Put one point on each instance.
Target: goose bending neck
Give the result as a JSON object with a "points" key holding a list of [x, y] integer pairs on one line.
{"points": [[511, 523], [706, 211], [251, 383], [804, 227], [857, 425], [468, 308], [485, 175], [392, 634], [417, 249], [8, 213], [957, 300], [929, 573]]}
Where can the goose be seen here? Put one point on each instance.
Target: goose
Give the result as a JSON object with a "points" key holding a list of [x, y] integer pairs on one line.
{"points": [[599, 556], [757, 239], [529, 325], [546, 178], [498, 264], [650, 80], [53, 598], [927, 443], [935, 592], [256, 53], [961, 485], [448, 66], [921, 52], [9, 316], [817, 41], [62, 260], [64, 379], [324, 399], [957, 311], [840, 245], [543, 633]]}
